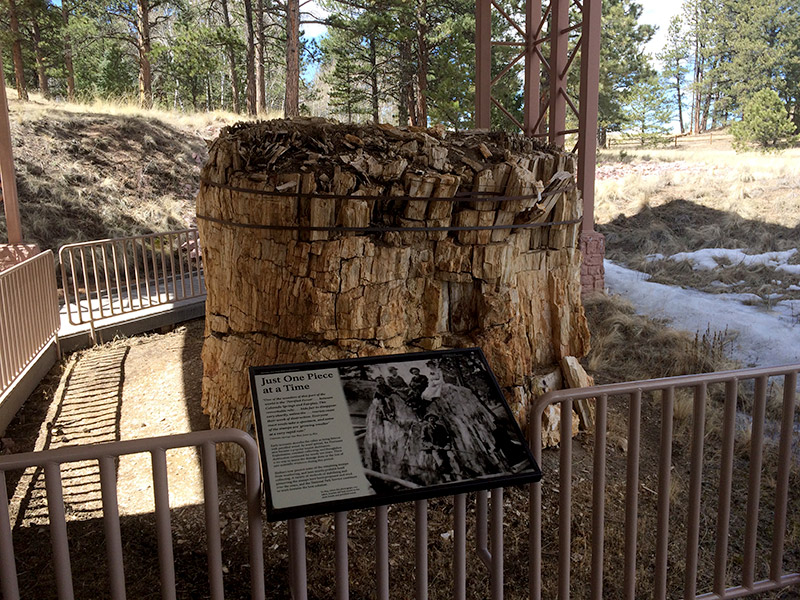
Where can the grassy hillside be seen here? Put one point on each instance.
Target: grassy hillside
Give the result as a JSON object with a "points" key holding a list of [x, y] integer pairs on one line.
{"points": [[91, 172]]}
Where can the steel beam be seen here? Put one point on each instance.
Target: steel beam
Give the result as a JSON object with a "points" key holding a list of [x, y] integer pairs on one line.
{"points": [[483, 64], [7, 178]]}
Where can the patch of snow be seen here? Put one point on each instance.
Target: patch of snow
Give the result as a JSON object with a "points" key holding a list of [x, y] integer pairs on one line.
{"points": [[791, 269], [794, 288], [707, 259], [654, 257], [765, 337]]}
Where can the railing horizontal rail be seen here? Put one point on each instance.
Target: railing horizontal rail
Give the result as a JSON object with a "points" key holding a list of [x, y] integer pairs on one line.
{"points": [[28, 314], [106, 278]]}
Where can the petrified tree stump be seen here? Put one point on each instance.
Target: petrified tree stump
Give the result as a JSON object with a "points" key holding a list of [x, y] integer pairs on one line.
{"points": [[325, 241]]}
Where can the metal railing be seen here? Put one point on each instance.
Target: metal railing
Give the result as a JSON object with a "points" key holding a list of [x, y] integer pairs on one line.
{"points": [[106, 455], [28, 314], [772, 442], [778, 436], [106, 278]]}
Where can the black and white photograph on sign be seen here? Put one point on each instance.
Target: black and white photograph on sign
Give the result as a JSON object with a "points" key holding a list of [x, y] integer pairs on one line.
{"points": [[361, 432]]}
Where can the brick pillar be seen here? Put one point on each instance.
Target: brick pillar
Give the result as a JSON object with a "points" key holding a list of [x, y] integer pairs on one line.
{"points": [[593, 248]]}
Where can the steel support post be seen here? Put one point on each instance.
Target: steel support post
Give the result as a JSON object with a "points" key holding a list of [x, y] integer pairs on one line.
{"points": [[533, 16], [592, 243], [559, 39], [7, 178], [483, 64]]}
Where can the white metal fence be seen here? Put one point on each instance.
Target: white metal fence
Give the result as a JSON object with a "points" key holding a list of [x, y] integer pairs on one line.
{"points": [[28, 314], [107, 278]]}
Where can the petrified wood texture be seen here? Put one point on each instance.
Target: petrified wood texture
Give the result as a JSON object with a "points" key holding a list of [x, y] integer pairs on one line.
{"points": [[295, 295]]}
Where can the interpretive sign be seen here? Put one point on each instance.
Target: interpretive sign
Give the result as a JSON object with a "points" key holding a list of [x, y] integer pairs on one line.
{"points": [[347, 434]]}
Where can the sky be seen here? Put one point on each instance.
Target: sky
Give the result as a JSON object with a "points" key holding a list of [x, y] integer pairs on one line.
{"points": [[659, 13], [655, 12]]}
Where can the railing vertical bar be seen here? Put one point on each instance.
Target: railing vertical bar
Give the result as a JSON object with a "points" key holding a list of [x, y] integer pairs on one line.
{"points": [[632, 493], [164, 272], [189, 267], [496, 574], [108, 490], [93, 252], [297, 558], [146, 273], [17, 326], [108, 291], [58, 531], [9, 307], [725, 486], [664, 467], [535, 507], [199, 260], [156, 276], [180, 265], [342, 564], [784, 467], [125, 272], [170, 237], [87, 289], [196, 259], [5, 345], [382, 551], [754, 482], [255, 531], [421, 548], [8, 571], [460, 547], [565, 501], [136, 274], [599, 495], [213, 537], [695, 491], [74, 289], [163, 525], [115, 260]]}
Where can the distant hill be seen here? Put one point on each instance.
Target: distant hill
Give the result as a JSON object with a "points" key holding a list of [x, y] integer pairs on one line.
{"points": [[88, 172]]}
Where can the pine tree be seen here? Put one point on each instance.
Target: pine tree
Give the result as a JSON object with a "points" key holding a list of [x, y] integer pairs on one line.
{"points": [[648, 112], [675, 59], [623, 62], [765, 123]]}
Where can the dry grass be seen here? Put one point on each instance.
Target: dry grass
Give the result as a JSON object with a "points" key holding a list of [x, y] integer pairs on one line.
{"points": [[669, 201], [107, 169]]}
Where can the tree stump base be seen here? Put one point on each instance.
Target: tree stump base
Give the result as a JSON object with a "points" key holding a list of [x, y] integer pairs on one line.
{"points": [[324, 241]]}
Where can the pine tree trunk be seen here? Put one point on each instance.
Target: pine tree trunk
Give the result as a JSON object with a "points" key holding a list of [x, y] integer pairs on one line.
{"points": [[291, 105], [229, 50], [252, 107], [143, 43], [407, 72], [261, 84], [41, 73], [16, 52], [373, 79], [422, 63], [68, 53], [680, 96]]}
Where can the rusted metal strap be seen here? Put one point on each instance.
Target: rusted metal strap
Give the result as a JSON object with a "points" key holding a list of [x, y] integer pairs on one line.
{"points": [[460, 197], [384, 229]]}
